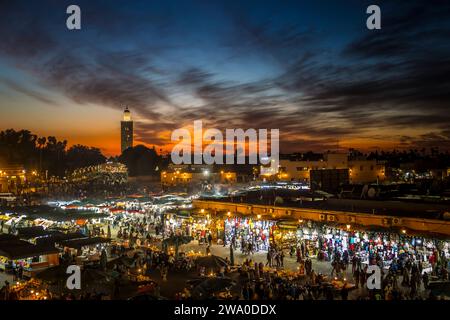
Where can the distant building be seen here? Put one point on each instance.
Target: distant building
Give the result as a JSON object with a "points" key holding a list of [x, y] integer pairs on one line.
{"points": [[126, 130], [328, 180], [12, 178], [184, 175], [360, 171], [366, 171]]}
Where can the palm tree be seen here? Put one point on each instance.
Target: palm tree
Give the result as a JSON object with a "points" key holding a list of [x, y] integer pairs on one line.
{"points": [[41, 142]]}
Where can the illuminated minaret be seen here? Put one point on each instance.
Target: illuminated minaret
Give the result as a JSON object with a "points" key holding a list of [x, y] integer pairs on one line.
{"points": [[126, 130]]}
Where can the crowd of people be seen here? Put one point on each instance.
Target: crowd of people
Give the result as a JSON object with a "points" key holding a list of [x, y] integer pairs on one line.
{"points": [[403, 277]]}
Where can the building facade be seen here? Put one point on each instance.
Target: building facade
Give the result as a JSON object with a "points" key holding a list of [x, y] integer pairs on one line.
{"points": [[360, 171], [12, 178], [184, 175]]}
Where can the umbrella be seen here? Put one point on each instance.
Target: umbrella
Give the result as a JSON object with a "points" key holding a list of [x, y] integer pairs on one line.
{"points": [[440, 288], [148, 286], [53, 274], [95, 280], [211, 262], [195, 282], [128, 262], [91, 276], [212, 285], [146, 297], [91, 279]]}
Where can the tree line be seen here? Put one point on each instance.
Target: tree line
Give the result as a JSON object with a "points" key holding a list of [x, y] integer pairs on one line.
{"points": [[54, 157], [45, 154]]}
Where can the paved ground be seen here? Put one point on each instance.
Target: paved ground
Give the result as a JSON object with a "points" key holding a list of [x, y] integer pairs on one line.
{"points": [[177, 281], [323, 267]]}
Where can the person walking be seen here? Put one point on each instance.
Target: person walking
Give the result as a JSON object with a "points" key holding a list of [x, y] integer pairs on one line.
{"points": [[209, 238], [269, 258], [426, 280]]}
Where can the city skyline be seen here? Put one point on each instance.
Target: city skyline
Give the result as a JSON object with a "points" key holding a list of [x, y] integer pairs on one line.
{"points": [[313, 71]]}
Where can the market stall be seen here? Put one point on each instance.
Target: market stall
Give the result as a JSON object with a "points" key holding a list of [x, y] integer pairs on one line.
{"points": [[85, 249], [16, 254], [248, 233]]}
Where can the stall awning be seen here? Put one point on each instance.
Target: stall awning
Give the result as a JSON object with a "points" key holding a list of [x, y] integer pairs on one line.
{"points": [[287, 224], [79, 243], [15, 248], [34, 232], [58, 237], [181, 213]]}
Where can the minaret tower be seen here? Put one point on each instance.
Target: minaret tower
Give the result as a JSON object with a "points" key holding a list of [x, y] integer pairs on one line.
{"points": [[126, 129]]}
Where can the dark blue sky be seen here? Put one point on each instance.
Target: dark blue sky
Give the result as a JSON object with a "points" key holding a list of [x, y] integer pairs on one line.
{"points": [[309, 68]]}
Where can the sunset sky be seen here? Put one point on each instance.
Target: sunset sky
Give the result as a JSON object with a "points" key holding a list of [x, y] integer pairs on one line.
{"points": [[309, 68]]}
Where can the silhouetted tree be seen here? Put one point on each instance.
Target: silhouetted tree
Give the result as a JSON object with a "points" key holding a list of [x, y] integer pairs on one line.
{"points": [[141, 161], [79, 156], [45, 153]]}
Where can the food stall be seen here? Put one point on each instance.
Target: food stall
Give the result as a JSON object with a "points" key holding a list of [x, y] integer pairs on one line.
{"points": [[286, 233], [248, 229], [16, 253], [29, 290], [85, 249]]}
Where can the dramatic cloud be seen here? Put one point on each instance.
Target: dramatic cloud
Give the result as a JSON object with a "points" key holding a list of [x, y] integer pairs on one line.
{"points": [[258, 66]]}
